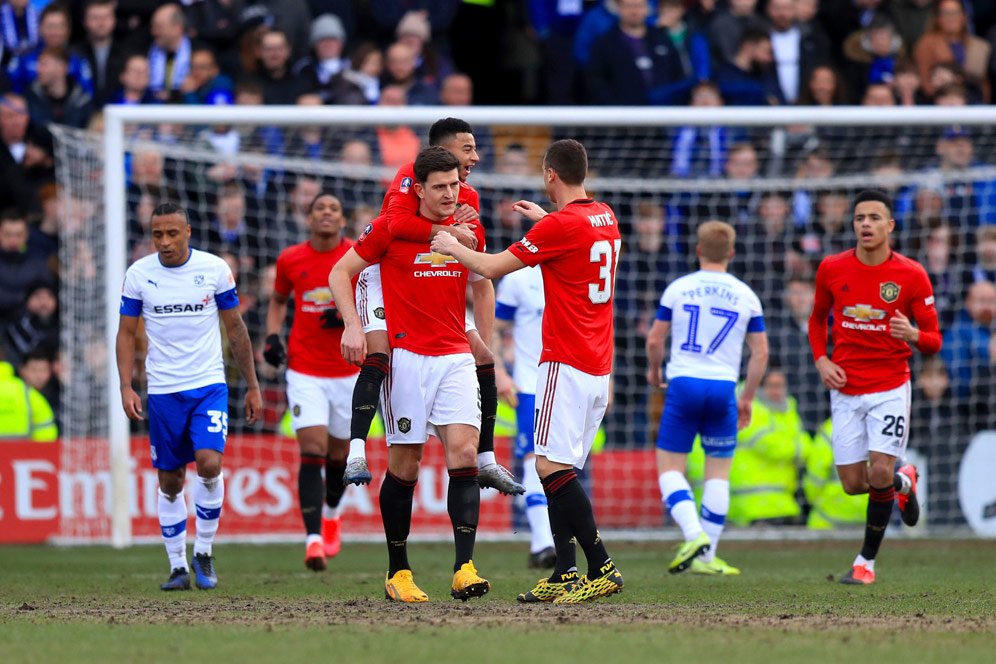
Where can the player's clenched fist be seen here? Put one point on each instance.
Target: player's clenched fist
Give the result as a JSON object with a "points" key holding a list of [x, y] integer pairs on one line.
{"points": [[354, 344], [831, 374], [444, 243], [900, 327]]}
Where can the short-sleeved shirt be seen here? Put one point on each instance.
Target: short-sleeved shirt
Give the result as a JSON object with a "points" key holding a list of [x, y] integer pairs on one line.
{"points": [[315, 336], [578, 250], [710, 314], [180, 306], [520, 300], [425, 292]]}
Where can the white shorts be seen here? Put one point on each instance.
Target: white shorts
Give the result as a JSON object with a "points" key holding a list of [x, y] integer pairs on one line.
{"points": [[370, 300], [425, 391], [321, 402], [863, 423], [569, 408]]}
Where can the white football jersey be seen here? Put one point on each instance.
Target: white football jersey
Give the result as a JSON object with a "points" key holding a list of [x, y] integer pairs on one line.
{"points": [[180, 306], [520, 299], [711, 314]]}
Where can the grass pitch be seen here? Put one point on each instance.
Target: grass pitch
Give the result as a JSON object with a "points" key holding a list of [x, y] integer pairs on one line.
{"points": [[933, 601]]}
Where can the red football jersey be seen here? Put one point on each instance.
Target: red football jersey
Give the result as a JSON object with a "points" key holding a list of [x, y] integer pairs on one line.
{"points": [[401, 205], [425, 293], [313, 348], [862, 299], [578, 250]]}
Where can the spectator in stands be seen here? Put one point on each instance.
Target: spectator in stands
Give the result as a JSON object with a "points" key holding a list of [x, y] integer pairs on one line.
{"points": [[797, 47], [18, 269], [34, 323], [952, 94], [824, 88], [104, 53], [949, 40], [456, 90], [54, 29], [134, 80], [356, 152], [280, 85], [595, 22], [771, 452], [326, 61], [702, 151], [18, 29], [830, 230], [749, 79], [205, 84], [906, 84], [911, 17], [366, 68], [967, 350], [728, 26], [984, 266], [43, 240], [841, 19], [18, 153], [970, 201], [431, 65], [232, 231], [634, 64], [399, 144], [878, 94], [55, 97], [306, 188], [293, 18], [555, 24], [213, 23], [169, 55], [312, 141], [933, 416], [935, 254], [243, 58], [37, 372], [944, 74], [401, 72], [692, 45], [26, 414], [815, 164], [872, 53]]}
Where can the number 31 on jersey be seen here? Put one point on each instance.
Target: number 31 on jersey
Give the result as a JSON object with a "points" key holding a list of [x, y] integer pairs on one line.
{"points": [[606, 254]]}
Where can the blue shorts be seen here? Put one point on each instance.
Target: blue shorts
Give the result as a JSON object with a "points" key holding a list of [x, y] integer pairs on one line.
{"points": [[183, 422], [697, 406], [525, 417]]}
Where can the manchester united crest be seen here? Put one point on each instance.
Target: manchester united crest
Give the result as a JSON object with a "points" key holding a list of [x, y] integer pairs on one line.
{"points": [[889, 291], [404, 425]]}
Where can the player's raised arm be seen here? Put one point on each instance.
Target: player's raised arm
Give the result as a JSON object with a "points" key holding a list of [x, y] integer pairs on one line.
{"points": [[124, 349], [490, 266], [241, 345], [354, 342]]}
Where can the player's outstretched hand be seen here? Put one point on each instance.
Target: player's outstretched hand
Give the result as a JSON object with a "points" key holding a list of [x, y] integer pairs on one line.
{"points": [[353, 345], [900, 327], [444, 243], [743, 413], [507, 389], [464, 233], [132, 403], [465, 213], [273, 351], [529, 210], [254, 405], [832, 375]]}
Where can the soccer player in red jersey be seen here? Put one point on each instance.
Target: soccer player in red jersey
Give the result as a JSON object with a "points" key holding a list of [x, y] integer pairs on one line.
{"points": [[577, 248], [401, 206], [874, 295], [429, 389], [319, 381]]}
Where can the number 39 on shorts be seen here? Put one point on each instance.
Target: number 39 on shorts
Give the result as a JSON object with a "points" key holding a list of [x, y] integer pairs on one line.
{"points": [[606, 254], [219, 422]]}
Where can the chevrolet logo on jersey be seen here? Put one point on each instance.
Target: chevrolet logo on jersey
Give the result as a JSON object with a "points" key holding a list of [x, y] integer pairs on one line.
{"points": [[434, 259], [321, 295], [863, 314]]}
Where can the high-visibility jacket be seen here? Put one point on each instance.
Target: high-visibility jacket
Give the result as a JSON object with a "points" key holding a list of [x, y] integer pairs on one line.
{"points": [[769, 457], [830, 506], [24, 412]]}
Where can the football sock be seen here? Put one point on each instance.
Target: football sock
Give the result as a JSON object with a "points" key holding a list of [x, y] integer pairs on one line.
{"points": [[861, 560], [334, 488], [563, 540], [564, 488], [536, 509], [209, 495], [173, 522], [396, 512], [463, 502], [485, 459], [901, 483], [366, 394], [880, 502], [489, 406], [678, 499], [309, 491], [715, 505]]}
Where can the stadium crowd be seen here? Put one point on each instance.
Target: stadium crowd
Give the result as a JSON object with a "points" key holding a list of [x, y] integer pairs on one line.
{"points": [[61, 63]]}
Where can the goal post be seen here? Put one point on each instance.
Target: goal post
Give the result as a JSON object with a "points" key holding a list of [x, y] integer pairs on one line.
{"points": [[633, 154]]}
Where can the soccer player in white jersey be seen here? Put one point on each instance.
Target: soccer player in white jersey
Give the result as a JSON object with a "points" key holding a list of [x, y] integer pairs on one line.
{"points": [[519, 308], [709, 313], [181, 293]]}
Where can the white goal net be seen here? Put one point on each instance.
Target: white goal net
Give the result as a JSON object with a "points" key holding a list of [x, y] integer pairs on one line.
{"points": [[784, 178]]}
